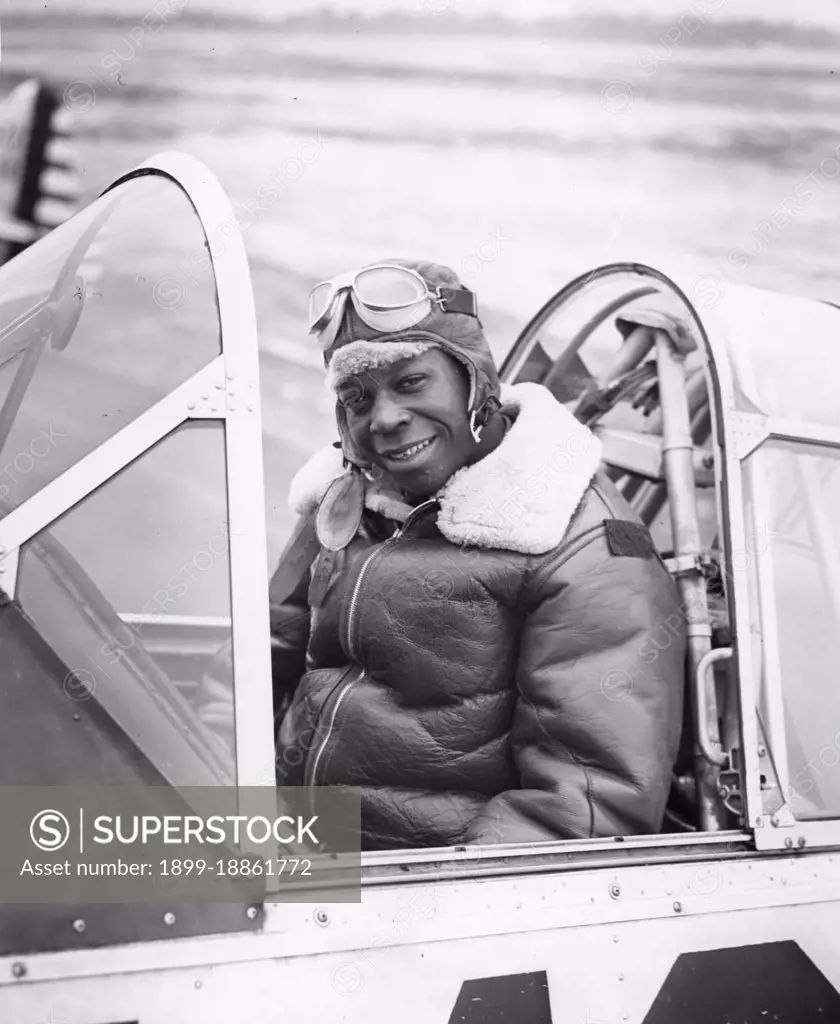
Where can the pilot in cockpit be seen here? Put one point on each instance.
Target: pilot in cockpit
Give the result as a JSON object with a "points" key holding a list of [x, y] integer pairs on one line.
{"points": [[461, 620]]}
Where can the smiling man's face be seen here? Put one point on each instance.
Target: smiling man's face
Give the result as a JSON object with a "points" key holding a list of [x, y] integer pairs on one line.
{"points": [[410, 418]]}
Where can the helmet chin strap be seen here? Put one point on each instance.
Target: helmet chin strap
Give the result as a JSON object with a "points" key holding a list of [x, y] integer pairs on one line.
{"points": [[480, 417], [475, 430]]}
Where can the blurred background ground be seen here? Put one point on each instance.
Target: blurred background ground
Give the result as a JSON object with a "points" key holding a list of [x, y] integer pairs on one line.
{"points": [[522, 144]]}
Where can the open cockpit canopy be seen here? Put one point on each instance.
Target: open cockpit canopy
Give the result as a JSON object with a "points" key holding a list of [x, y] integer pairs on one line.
{"points": [[131, 513], [761, 422]]}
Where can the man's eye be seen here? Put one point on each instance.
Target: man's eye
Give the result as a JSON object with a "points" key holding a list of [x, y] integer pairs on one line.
{"points": [[413, 380]]}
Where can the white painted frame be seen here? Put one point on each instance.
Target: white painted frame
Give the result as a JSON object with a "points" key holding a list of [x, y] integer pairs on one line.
{"points": [[231, 384], [738, 432], [726, 436], [786, 831], [781, 830]]}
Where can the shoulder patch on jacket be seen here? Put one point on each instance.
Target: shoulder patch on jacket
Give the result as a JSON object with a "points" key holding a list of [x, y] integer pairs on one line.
{"points": [[630, 540]]}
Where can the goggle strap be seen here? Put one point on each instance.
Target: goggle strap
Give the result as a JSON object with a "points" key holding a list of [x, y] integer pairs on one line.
{"points": [[457, 300]]}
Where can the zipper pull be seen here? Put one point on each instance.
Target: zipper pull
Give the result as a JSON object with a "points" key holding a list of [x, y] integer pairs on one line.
{"points": [[413, 514]]}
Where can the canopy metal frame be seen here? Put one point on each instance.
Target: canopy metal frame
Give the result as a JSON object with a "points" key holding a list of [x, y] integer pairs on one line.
{"points": [[739, 429], [230, 383]]}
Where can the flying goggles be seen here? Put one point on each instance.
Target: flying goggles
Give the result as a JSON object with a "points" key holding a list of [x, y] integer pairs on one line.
{"points": [[387, 297]]}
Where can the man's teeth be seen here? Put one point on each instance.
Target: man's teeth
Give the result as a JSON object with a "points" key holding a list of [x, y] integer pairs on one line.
{"points": [[413, 450]]}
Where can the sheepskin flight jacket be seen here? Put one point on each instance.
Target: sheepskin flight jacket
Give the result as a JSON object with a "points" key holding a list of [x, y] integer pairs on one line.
{"points": [[489, 673]]}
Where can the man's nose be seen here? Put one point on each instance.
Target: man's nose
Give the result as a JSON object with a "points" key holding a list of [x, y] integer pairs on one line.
{"points": [[387, 415]]}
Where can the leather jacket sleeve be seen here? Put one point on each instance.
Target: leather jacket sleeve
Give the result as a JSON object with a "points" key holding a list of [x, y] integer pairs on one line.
{"points": [[600, 681], [289, 614], [290, 626]]}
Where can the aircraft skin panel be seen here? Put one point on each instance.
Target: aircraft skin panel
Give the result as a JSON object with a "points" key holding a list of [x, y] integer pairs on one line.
{"points": [[783, 963], [470, 908], [643, 964]]}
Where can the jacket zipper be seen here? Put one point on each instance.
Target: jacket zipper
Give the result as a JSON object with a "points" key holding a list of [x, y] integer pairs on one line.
{"points": [[342, 689], [399, 532]]}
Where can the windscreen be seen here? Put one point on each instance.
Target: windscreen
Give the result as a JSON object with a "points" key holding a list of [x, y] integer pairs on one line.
{"points": [[98, 322]]}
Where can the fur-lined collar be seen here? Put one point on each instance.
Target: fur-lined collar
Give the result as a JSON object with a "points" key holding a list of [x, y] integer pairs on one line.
{"points": [[520, 497]]}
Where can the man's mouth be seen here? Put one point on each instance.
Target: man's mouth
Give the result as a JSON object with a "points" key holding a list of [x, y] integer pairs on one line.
{"points": [[408, 452]]}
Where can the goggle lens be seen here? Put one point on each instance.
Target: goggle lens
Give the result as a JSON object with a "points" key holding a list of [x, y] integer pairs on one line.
{"points": [[319, 301], [389, 288]]}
